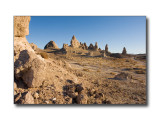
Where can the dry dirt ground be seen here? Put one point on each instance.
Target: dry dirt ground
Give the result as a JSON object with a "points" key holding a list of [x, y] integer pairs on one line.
{"points": [[98, 77]]}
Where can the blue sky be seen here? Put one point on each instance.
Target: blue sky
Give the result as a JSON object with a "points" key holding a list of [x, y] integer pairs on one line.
{"points": [[117, 32]]}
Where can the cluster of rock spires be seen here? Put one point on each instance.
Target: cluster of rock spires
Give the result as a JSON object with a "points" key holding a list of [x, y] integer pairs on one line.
{"points": [[76, 44]]}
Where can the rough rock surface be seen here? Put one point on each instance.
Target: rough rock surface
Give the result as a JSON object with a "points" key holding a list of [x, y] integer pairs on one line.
{"points": [[28, 98], [74, 42], [51, 44], [34, 46], [124, 52], [21, 26]]}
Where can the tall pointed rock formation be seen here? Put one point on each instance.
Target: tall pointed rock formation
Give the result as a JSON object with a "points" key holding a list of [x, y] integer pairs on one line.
{"points": [[74, 42]]}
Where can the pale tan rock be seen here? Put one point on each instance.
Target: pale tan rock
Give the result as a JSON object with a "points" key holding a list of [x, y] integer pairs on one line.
{"points": [[65, 46], [74, 42], [36, 95], [28, 98], [27, 65], [21, 26], [34, 46], [51, 44]]}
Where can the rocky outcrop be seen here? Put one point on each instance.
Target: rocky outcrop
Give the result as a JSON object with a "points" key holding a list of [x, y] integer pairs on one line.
{"points": [[34, 70], [21, 26], [106, 48], [83, 46], [74, 42], [124, 52], [65, 46], [52, 45], [91, 47], [96, 46], [34, 46]]}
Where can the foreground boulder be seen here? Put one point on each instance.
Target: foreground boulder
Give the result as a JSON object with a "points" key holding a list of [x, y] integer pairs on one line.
{"points": [[74, 42], [52, 45], [28, 98]]}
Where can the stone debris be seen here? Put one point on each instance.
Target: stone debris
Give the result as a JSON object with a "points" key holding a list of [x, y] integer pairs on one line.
{"points": [[36, 95], [28, 98]]}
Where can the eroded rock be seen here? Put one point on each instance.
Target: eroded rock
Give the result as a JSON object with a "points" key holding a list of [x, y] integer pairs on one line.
{"points": [[124, 52], [52, 45], [21, 26], [74, 42], [28, 98]]}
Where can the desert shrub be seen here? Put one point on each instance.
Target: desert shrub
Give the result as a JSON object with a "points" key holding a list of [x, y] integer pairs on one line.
{"points": [[44, 55], [140, 71], [86, 69], [116, 55]]}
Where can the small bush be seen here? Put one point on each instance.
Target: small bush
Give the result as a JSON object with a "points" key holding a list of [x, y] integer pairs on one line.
{"points": [[44, 55], [140, 71], [85, 69]]}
